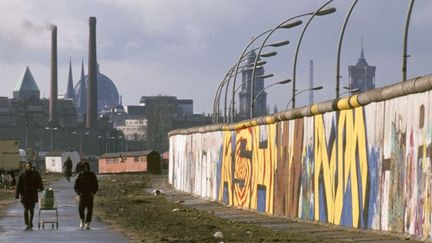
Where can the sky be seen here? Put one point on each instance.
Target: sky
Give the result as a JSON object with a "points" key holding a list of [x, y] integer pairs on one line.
{"points": [[185, 48]]}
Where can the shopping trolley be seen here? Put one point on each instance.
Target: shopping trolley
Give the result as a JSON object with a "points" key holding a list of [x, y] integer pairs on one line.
{"points": [[47, 208]]}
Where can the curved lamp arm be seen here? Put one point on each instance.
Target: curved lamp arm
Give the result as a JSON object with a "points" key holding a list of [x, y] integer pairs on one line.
{"points": [[286, 25], [268, 86], [295, 94], [237, 68], [340, 46], [320, 11], [216, 100]]}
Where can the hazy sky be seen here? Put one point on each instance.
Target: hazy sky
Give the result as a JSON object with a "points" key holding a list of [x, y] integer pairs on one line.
{"points": [[185, 47]]}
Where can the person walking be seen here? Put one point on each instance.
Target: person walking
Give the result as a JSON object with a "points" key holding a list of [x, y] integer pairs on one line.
{"points": [[86, 185], [78, 167], [67, 166], [29, 182]]}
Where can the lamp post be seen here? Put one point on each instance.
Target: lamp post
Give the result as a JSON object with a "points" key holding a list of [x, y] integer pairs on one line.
{"points": [[295, 94], [268, 86], [284, 25], [243, 54], [113, 146], [51, 129], [106, 144], [321, 11], [121, 143], [80, 138], [405, 41], [247, 80], [216, 101], [338, 76], [226, 115]]}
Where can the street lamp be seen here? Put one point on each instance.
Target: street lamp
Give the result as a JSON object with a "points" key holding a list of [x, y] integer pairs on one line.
{"points": [[268, 86], [321, 11], [338, 76], [295, 94], [240, 86], [350, 90], [121, 143], [106, 144], [405, 41], [113, 146], [228, 76], [80, 140], [51, 129], [248, 66], [284, 25]]}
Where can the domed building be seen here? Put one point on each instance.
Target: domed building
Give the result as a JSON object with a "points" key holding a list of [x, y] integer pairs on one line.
{"points": [[106, 91]]}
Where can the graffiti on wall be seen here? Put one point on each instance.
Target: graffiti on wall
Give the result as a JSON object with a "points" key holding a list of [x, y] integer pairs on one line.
{"points": [[366, 167]]}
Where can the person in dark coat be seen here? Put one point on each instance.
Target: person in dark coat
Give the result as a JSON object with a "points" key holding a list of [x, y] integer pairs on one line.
{"points": [[29, 182], [68, 168], [86, 185], [78, 167]]}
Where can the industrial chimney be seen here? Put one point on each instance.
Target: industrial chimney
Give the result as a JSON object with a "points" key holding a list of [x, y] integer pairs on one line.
{"points": [[53, 83], [91, 119]]}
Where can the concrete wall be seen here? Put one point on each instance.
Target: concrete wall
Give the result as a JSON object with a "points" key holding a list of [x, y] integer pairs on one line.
{"points": [[365, 162]]}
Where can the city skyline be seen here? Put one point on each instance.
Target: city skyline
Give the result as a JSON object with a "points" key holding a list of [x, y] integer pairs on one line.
{"points": [[185, 48]]}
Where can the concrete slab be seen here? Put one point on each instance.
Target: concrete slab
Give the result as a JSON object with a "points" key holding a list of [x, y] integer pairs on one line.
{"points": [[12, 225]]}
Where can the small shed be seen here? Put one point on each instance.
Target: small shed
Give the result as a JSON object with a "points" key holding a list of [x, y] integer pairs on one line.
{"points": [[54, 161], [136, 161]]}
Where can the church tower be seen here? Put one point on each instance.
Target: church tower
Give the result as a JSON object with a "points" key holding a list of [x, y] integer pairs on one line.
{"points": [[70, 93], [260, 106], [361, 75]]}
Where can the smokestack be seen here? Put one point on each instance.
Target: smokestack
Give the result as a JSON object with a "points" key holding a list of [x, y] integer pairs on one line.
{"points": [[53, 83], [311, 81], [91, 121]]}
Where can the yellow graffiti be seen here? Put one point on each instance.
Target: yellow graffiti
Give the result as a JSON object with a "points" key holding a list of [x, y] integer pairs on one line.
{"points": [[243, 170], [351, 129], [249, 172], [264, 164], [226, 176]]}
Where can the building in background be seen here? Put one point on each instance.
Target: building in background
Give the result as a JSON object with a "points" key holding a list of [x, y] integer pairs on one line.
{"points": [[260, 105], [146, 126], [107, 93], [361, 75], [134, 129]]}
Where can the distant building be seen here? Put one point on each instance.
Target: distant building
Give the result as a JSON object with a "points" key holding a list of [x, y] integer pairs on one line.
{"points": [[361, 75], [151, 120], [185, 106], [260, 105], [134, 129], [107, 93], [26, 87]]}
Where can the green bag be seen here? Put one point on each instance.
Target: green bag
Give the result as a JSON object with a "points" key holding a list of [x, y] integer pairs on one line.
{"points": [[47, 199]]}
